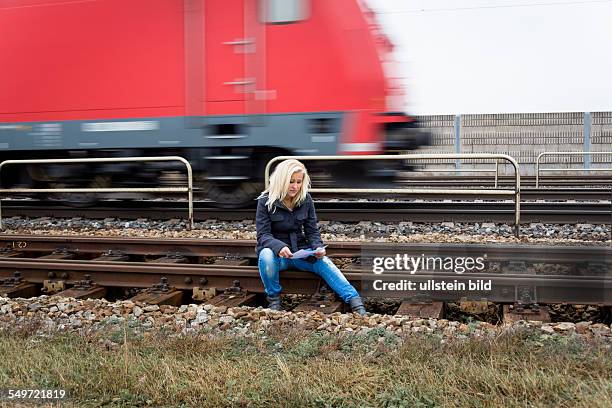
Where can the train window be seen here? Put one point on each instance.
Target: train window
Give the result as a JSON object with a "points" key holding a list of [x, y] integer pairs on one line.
{"points": [[225, 131], [283, 11], [321, 125]]}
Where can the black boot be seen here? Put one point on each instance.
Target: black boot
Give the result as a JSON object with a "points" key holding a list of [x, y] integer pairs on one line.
{"points": [[274, 303], [357, 306]]}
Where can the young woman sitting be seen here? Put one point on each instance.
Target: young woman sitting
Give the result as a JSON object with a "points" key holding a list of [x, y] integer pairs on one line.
{"points": [[287, 222]]}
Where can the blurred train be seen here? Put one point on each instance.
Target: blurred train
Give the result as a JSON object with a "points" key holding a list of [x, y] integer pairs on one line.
{"points": [[227, 84]]}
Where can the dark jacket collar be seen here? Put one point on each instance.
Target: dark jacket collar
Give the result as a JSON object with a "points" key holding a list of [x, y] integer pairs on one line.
{"points": [[279, 203]]}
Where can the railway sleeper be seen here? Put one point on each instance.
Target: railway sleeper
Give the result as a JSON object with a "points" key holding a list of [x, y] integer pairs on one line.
{"points": [[84, 289], [17, 287], [61, 253], [234, 296], [160, 294], [323, 300], [173, 258], [424, 310], [513, 314], [525, 306], [112, 256]]}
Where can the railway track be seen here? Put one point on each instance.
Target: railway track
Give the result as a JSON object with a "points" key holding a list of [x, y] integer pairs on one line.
{"points": [[597, 210], [80, 265], [546, 180]]}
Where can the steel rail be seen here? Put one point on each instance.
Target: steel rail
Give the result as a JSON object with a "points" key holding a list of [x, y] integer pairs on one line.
{"points": [[527, 193], [505, 287], [342, 249], [352, 211]]}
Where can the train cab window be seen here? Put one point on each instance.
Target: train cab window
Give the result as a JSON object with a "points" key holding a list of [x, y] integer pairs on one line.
{"points": [[283, 11], [322, 125]]}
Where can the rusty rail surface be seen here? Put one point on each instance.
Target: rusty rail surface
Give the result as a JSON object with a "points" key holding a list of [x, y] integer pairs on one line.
{"points": [[589, 281], [246, 248], [549, 288]]}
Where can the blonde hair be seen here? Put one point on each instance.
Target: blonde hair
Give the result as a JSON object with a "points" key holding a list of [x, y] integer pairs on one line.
{"points": [[280, 180]]}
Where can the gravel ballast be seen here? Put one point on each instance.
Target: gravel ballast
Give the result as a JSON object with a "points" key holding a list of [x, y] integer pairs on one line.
{"points": [[53, 314], [365, 231]]}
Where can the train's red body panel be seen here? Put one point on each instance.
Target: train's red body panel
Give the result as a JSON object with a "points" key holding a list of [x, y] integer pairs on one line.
{"points": [[91, 59], [225, 83], [72, 60]]}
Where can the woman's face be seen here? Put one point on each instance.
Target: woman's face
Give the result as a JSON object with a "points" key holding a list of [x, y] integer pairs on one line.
{"points": [[295, 184]]}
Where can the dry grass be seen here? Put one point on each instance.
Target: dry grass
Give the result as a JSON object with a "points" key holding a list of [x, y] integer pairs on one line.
{"points": [[309, 369]]}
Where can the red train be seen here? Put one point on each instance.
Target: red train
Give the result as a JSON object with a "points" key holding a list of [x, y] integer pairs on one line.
{"points": [[224, 83]]}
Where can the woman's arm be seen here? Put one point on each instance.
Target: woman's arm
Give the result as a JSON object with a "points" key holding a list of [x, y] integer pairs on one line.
{"points": [[263, 223], [310, 226]]}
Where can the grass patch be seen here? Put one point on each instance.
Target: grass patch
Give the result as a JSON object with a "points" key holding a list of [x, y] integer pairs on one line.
{"points": [[300, 368]]}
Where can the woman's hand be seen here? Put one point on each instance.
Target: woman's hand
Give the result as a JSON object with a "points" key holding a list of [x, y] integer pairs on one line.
{"points": [[285, 253], [319, 253]]}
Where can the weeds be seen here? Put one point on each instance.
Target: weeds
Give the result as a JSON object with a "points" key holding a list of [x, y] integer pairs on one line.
{"points": [[302, 368]]}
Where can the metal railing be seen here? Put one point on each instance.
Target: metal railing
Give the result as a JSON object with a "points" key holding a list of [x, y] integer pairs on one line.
{"points": [[188, 189], [517, 176], [462, 170], [538, 169]]}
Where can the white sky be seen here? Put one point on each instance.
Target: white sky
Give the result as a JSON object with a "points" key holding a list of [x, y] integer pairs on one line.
{"points": [[491, 56]]}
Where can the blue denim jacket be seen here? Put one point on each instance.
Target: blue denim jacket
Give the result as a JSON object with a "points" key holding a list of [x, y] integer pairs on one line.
{"points": [[281, 227]]}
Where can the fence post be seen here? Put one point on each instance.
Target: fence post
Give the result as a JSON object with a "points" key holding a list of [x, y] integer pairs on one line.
{"points": [[458, 140], [587, 140]]}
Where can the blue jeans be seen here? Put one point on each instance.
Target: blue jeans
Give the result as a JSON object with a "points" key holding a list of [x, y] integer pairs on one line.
{"points": [[270, 266]]}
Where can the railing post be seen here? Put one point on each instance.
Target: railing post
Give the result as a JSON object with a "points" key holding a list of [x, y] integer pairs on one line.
{"points": [[587, 140], [496, 171], [189, 189], [537, 169], [457, 140], [517, 197]]}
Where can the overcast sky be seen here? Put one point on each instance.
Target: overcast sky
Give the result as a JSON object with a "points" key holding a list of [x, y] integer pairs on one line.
{"points": [[490, 56]]}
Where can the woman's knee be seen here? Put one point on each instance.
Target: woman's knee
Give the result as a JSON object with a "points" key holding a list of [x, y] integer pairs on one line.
{"points": [[267, 262], [266, 255], [326, 262], [326, 266]]}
